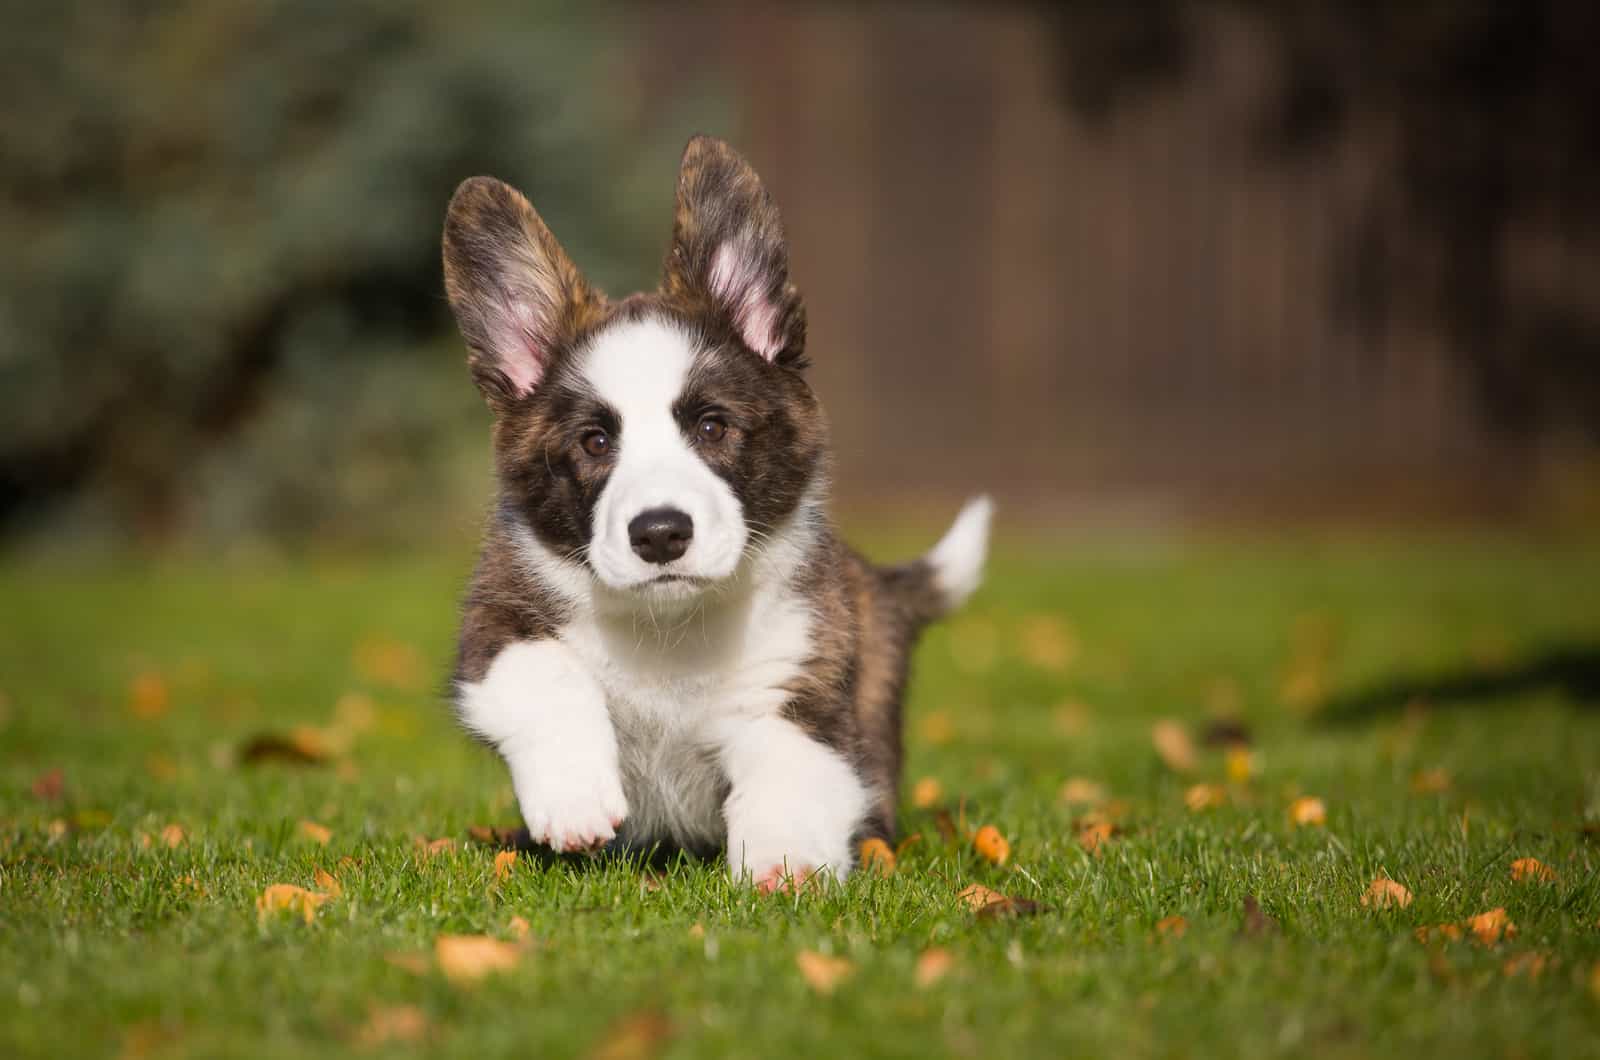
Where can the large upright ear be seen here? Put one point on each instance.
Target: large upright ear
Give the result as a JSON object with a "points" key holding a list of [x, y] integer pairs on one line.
{"points": [[516, 295], [728, 247]]}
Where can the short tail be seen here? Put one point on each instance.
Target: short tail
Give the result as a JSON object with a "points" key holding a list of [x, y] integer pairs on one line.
{"points": [[941, 581]]}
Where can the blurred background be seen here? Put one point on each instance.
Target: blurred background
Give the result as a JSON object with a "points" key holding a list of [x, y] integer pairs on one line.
{"points": [[1120, 263]]}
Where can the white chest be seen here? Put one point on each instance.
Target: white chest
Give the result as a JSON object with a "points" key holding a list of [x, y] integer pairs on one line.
{"points": [[672, 685]]}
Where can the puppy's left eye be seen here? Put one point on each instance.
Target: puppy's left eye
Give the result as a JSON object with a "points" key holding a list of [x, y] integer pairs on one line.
{"points": [[711, 429]]}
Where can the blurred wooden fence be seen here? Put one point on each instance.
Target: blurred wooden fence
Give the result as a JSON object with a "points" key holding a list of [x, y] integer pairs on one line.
{"points": [[1003, 294]]}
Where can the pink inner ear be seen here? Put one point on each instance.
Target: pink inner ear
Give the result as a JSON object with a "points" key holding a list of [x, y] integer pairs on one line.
{"points": [[736, 280], [519, 345]]}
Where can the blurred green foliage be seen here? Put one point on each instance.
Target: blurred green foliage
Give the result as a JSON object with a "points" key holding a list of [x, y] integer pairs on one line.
{"points": [[221, 314]]}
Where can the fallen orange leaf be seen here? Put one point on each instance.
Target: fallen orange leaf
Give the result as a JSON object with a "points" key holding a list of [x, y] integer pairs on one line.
{"points": [[991, 845], [1093, 834], [937, 728], [468, 958], [1046, 642], [1172, 927], [147, 696], [933, 965], [504, 862], [49, 786], [429, 847], [876, 857], [1384, 893], [1530, 964], [1172, 743], [1531, 870], [1308, 810], [393, 1023], [1430, 781], [327, 883], [415, 963], [172, 835], [1439, 932], [821, 972], [1082, 791], [1201, 797], [697, 930], [286, 896], [1489, 928], [926, 792], [635, 1037], [315, 832], [520, 927]]}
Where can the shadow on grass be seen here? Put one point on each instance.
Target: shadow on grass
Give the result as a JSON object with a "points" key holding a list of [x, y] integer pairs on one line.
{"points": [[1573, 670], [658, 858]]}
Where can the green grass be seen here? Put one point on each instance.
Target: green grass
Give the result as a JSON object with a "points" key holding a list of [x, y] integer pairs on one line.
{"points": [[106, 948]]}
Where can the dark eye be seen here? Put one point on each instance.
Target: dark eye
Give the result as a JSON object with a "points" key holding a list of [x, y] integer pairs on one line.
{"points": [[711, 429], [596, 443]]}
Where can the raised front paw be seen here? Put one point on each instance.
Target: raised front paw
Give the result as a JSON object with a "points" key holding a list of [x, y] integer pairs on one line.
{"points": [[570, 804]]}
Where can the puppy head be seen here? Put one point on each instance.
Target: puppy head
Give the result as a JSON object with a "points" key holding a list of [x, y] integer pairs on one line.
{"points": [[648, 446]]}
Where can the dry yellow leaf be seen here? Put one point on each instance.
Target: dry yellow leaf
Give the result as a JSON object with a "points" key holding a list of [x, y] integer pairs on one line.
{"points": [[1081, 791], [977, 896], [173, 836], [1531, 870], [876, 857], [286, 896], [933, 965], [697, 930], [392, 1023], [1172, 743], [635, 1037], [315, 832], [1240, 763], [327, 883], [468, 958], [1384, 893], [520, 927], [1205, 797], [1430, 781], [821, 972], [504, 862], [926, 792], [1489, 928], [1308, 810], [1531, 965], [1174, 927], [991, 845], [148, 696]]}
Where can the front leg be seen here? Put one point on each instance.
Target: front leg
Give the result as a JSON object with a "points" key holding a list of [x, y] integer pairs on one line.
{"points": [[793, 804], [547, 717]]}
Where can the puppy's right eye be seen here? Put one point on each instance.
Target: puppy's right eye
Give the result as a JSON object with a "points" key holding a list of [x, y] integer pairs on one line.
{"points": [[596, 443]]}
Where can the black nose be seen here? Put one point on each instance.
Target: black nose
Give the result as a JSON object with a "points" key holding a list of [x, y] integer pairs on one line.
{"points": [[660, 535]]}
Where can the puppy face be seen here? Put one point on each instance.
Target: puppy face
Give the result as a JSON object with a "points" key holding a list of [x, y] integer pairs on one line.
{"points": [[649, 446]]}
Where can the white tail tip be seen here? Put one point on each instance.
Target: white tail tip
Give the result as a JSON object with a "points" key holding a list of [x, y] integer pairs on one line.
{"points": [[957, 560]]}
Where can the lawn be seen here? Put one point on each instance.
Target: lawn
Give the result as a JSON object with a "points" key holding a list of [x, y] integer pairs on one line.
{"points": [[166, 729]]}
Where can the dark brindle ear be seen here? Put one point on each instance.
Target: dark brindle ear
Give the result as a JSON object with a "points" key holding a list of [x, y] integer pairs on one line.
{"points": [[517, 296], [728, 248]]}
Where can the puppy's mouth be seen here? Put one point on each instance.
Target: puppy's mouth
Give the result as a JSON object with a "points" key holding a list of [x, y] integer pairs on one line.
{"points": [[676, 579]]}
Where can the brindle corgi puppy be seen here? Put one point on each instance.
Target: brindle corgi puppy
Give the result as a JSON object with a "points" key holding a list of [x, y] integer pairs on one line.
{"points": [[665, 637]]}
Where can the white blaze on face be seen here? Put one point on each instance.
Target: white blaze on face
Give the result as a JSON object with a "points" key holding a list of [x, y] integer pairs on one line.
{"points": [[639, 369]]}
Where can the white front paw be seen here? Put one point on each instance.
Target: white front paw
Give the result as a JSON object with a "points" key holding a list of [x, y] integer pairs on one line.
{"points": [[570, 802], [775, 861]]}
